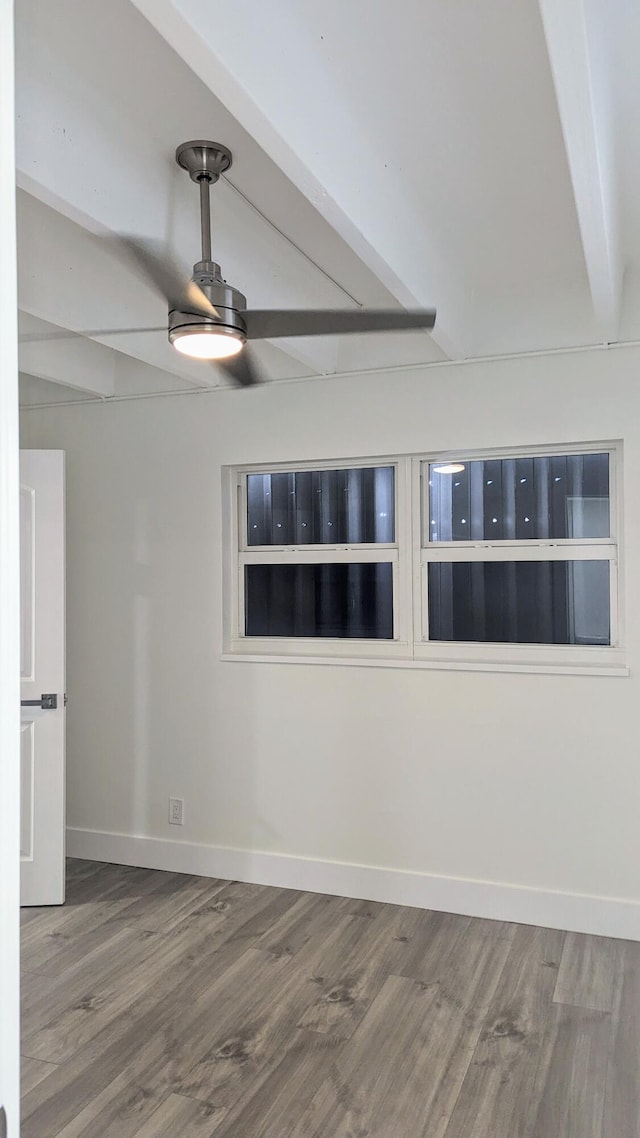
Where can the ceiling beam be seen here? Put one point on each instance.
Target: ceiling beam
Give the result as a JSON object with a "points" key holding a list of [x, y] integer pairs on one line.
{"points": [[321, 151], [76, 363], [577, 43]]}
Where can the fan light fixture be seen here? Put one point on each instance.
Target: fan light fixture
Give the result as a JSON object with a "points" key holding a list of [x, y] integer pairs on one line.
{"points": [[448, 468], [206, 343]]}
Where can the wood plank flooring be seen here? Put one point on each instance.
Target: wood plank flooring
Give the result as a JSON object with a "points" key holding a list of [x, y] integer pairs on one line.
{"points": [[157, 1004]]}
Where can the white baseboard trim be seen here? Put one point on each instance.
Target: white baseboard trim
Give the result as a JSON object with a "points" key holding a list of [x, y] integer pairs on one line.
{"points": [[574, 912]]}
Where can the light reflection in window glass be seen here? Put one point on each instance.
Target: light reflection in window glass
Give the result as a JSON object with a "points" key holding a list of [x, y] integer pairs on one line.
{"points": [[506, 499]]}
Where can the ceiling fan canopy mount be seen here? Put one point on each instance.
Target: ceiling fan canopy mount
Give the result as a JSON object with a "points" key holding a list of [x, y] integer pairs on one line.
{"points": [[204, 161]]}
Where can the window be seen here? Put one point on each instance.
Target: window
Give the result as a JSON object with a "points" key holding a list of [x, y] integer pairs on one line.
{"points": [[519, 550], [318, 559], [501, 559]]}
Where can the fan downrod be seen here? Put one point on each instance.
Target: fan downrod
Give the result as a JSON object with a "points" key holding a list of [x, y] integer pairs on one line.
{"points": [[204, 161]]}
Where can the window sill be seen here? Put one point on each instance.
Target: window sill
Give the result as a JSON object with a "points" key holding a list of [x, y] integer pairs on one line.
{"points": [[451, 665]]}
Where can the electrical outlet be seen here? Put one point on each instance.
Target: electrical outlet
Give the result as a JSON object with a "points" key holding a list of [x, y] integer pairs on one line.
{"points": [[176, 811]]}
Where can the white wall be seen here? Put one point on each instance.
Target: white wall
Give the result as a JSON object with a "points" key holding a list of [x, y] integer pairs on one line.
{"points": [[9, 601], [528, 780]]}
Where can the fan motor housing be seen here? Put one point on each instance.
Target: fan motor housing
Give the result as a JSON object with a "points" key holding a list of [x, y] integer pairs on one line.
{"points": [[207, 275], [228, 302], [229, 321], [226, 299]]}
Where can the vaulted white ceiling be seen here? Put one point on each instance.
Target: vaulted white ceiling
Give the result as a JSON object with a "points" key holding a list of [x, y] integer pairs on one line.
{"points": [[480, 158]]}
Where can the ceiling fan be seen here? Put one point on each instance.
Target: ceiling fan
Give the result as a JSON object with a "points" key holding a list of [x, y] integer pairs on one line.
{"points": [[209, 319]]}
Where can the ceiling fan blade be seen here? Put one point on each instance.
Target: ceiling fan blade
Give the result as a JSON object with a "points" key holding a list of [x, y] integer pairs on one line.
{"points": [[241, 369], [66, 334], [158, 268], [333, 322]]}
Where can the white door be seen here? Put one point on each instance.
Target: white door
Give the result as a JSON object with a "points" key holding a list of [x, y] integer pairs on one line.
{"points": [[42, 673]]}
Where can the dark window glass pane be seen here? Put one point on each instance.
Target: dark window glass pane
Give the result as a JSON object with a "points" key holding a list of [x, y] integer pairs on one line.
{"points": [[507, 499], [321, 507], [354, 601], [520, 602]]}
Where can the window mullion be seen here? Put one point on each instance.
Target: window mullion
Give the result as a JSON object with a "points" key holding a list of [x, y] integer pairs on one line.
{"points": [[419, 516]]}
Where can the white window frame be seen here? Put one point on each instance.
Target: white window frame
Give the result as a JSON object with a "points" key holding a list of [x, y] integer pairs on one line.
{"points": [[410, 556], [397, 553], [506, 656]]}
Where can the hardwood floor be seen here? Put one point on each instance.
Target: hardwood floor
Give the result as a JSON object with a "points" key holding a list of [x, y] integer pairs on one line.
{"points": [[156, 1004]]}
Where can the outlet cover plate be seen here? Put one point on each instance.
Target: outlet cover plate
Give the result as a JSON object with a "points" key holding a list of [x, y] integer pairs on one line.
{"points": [[176, 811]]}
